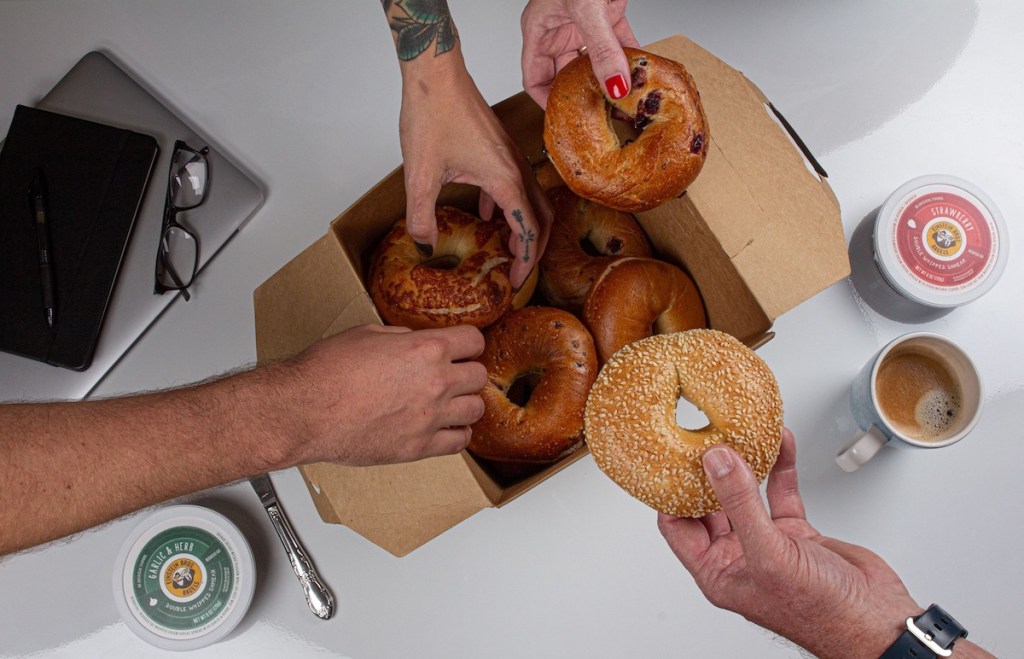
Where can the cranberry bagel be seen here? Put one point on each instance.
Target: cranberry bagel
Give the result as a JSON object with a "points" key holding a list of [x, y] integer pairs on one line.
{"points": [[637, 175]]}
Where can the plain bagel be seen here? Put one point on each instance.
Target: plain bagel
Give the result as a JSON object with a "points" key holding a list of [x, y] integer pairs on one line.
{"points": [[634, 298], [585, 238], [635, 176], [630, 418], [550, 354]]}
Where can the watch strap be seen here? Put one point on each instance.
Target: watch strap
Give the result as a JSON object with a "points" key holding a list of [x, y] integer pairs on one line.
{"points": [[929, 635]]}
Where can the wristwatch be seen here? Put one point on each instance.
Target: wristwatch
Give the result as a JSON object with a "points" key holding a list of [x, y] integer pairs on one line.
{"points": [[929, 635]]}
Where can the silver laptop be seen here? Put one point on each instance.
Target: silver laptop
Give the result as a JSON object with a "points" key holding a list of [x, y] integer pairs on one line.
{"points": [[99, 90]]}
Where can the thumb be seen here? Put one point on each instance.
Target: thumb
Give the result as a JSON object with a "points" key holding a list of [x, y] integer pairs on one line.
{"points": [[738, 492], [606, 56]]}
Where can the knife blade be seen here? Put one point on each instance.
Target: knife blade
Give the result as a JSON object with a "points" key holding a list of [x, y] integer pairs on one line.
{"points": [[318, 597]]}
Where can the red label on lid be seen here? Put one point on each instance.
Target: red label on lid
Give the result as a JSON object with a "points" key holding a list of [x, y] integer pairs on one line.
{"points": [[945, 241]]}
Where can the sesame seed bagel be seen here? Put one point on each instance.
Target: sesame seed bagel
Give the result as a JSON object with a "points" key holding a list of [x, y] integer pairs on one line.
{"points": [[634, 176], [568, 267], [630, 418], [465, 281]]}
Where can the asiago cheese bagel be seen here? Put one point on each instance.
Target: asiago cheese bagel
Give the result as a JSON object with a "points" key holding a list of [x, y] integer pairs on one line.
{"points": [[658, 165], [465, 281], [630, 417]]}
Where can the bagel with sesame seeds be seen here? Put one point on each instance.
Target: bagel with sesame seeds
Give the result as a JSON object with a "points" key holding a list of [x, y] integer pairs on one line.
{"points": [[630, 417], [633, 175]]}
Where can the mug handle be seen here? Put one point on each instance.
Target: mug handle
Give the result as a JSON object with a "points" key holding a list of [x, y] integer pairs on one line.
{"points": [[861, 449]]}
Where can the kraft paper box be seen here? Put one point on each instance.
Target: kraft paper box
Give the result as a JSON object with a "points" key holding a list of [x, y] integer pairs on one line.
{"points": [[760, 232]]}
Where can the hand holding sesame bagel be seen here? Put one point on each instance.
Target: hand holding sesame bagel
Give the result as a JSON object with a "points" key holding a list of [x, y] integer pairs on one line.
{"points": [[635, 176], [630, 419]]}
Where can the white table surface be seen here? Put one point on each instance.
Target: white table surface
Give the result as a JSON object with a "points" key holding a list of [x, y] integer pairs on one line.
{"points": [[307, 96]]}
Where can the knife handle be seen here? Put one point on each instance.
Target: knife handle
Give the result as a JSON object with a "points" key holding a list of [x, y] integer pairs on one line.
{"points": [[319, 599]]}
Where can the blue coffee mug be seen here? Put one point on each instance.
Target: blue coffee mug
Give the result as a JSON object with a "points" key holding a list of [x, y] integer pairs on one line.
{"points": [[877, 429]]}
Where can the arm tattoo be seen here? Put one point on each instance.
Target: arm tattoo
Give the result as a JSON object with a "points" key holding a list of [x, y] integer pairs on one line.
{"points": [[417, 24], [526, 235]]}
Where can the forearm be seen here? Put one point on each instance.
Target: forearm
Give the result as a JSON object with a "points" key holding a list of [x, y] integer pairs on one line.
{"points": [[65, 467]]}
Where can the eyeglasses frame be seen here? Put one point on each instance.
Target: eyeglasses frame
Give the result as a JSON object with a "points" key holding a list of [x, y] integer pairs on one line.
{"points": [[170, 221]]}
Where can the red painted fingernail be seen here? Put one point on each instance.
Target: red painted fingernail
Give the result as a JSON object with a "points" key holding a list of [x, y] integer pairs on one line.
{"points": [[616, 86]]}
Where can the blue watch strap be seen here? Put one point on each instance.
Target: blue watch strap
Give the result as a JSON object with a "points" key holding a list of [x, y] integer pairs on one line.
{"points": [[930, 635]]}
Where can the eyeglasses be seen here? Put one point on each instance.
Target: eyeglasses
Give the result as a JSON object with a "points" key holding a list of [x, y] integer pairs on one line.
{"points": [[178, 254]]}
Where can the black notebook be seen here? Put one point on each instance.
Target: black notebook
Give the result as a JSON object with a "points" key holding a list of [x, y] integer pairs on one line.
{"points": [[95, 176]]}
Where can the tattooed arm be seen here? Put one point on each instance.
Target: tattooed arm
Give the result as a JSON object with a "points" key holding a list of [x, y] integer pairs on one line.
{"points": [[449, 134]]}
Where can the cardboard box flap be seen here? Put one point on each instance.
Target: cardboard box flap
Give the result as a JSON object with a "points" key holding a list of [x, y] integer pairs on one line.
{"points": [[398, 507], [288, 319], [756, 194]]}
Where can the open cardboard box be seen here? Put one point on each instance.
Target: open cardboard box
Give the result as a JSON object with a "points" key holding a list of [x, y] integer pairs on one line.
{"points": [[760, 232]]}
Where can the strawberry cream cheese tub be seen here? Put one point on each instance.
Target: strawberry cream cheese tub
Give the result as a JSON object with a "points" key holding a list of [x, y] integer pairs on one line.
{"points": [[184, 578], [937, 243]]}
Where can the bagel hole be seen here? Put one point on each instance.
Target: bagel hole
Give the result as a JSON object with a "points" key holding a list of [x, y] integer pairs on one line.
{"points": [[588, 246], [443, 262], [690, 417], [622, 125], [522, 387]]}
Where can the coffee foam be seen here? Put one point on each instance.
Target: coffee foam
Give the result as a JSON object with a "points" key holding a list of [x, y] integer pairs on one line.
{"points": [[936, 412]]}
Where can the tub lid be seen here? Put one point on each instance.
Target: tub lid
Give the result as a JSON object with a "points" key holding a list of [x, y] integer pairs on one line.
{"points": [[184, 578], [940, 241]]}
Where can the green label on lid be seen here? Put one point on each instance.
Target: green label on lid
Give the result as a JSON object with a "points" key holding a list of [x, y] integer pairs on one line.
{"points": [[183, 581]]}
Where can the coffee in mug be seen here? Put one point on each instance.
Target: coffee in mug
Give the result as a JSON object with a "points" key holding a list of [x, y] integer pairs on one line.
{"points": [[920, 391], [918, 394]]}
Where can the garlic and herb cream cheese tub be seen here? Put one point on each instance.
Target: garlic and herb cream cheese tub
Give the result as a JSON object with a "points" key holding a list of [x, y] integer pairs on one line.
{"points": [[184, 578], [937, 243]]}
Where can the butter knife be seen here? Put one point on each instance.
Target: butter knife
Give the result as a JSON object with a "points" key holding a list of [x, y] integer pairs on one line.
{"points": [[319, 599]]}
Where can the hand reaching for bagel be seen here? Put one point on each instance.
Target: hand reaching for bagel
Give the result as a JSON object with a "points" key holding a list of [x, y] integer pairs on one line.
{"points": [[554, 31], [450, 135]]}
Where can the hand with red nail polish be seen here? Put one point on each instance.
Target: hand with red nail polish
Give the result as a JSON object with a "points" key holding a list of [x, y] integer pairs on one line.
{"points": [[554, 32]]}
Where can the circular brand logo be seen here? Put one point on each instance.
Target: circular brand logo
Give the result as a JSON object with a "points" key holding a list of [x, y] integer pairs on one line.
{"points": [[944, 239], [183, 578]]}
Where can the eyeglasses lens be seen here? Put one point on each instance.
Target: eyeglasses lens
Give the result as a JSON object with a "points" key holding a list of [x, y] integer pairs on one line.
{"points": [[180, 253], [188, 182]]}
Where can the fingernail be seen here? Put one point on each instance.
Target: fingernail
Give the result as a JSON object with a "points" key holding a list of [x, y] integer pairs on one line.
{"points": [[425, 249], [718, 461], [616, 86]]}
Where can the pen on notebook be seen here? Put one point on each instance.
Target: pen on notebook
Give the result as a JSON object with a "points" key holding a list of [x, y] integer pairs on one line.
{"points": [[38, 194]]}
